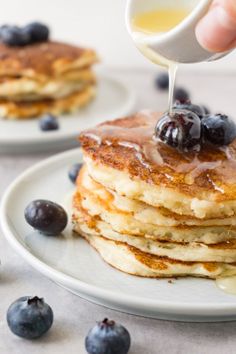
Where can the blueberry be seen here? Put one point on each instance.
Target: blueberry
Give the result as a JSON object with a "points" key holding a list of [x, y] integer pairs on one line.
{"points": [[74, 171], [47, 217], [218, 130], [14, 36], [198, 110], [107, 337], [3, 28], [180, 130], [29, 317], [48, 123], [162, 81], [181, 94], [37, 31]]}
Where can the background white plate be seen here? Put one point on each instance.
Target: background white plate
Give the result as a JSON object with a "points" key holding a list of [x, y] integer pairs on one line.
{"points": [[73, 264], [114, 99]]}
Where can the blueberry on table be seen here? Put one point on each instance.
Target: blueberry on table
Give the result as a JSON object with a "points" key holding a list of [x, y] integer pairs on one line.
{"points": [[14, 36], [37, 31], [29, 317], [181, 94], [218, 129], [107, 337], [48, 123], [180, 130], [198, 110], [74, 171], [162, 81], [47, 217]]}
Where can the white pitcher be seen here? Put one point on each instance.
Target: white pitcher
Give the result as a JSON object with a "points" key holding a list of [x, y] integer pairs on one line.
{"points": [[179, 44]]}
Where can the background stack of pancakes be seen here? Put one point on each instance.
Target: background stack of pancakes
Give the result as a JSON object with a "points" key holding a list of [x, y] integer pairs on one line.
{"points": [[47, 77], [152, 211]]}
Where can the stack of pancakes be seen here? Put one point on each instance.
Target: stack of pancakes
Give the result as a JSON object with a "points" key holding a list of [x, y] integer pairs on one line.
{"points": [[152, 211], [48, 77]]}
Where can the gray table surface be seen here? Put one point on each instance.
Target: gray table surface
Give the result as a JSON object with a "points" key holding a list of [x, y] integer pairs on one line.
{"points": [[73, 315]]}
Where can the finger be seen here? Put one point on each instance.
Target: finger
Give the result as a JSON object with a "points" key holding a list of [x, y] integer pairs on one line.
{"points": [[216, 32]]}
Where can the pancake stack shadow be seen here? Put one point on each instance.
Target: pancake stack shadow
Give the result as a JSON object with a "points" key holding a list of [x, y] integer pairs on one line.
{"points": [[150, 211]]}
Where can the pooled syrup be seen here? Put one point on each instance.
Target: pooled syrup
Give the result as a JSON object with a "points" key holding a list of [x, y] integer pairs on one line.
{"points": [[227, 283]]}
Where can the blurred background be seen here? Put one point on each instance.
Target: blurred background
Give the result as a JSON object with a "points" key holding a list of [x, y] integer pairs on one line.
{"points": [[95, 23]]}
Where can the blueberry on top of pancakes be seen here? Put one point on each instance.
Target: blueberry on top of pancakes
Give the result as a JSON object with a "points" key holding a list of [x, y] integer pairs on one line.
{"points": [[14, 36], [21, 36], [180, 130], [187, 128], [38, 32], [218, 129], [188, 105]]}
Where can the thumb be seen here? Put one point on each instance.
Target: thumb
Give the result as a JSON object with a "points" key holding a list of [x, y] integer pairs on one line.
{"points": [[216, 31]]}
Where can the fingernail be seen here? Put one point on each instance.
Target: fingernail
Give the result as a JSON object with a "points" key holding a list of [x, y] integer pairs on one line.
{"points": [[216, 31]]}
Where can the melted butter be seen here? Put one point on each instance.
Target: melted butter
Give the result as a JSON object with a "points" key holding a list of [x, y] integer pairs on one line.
{"points": [[158, 21], [211, 169]]}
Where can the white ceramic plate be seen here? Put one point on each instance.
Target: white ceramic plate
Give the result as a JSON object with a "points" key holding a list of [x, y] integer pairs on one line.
{"points": [[73, 264], [113, 100]]}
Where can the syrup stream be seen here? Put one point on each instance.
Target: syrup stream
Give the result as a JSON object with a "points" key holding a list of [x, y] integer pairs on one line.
{"points": [[172, 78]]}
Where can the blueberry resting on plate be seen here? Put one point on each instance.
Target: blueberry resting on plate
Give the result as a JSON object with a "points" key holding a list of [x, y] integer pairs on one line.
{"points": [[218, 129], [187, 105], [180, 130], [107, 337], [29, 317], [162, 81], [48, 123], [37, 31], [181, 94], [47, 217], [14, 36], [74, 171]]}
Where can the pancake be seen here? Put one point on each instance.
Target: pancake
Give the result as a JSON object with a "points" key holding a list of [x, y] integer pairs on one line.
{"points": [[29, 89], [43, 60], [125, 224], [133, 261], [152, 211], [31, 109], [187, 252], [49, 77], [99, 204], [123, 156], [142, 211]]}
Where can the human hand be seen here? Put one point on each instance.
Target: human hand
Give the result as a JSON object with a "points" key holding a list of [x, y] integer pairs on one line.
{"points": [[216, 31]]}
